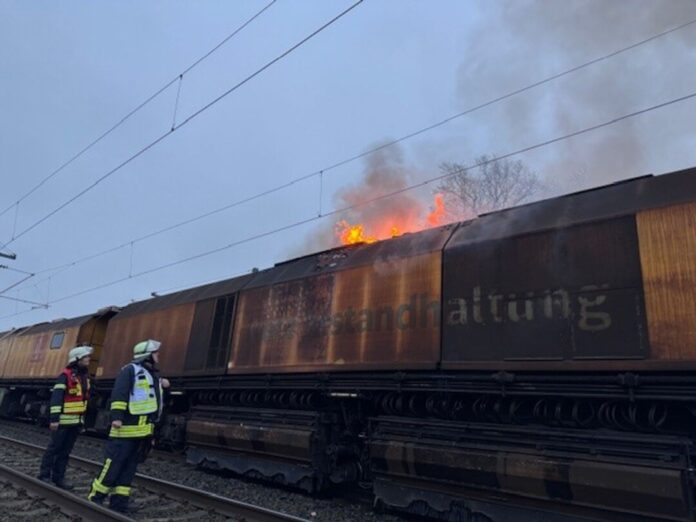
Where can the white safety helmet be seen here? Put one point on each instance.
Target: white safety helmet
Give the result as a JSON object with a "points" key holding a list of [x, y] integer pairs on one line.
{"points": [[78, 353], [143, 349]]}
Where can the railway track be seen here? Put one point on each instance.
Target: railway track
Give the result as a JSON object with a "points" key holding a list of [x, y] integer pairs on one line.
{"points": [[349, 505], [159, 499], [343, 506], [24, 497]]}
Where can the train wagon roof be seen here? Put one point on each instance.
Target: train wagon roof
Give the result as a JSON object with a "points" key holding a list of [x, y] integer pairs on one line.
{"points": [[618, 199], [199, 293], [7, 333], [361, 254], [59, 324]]}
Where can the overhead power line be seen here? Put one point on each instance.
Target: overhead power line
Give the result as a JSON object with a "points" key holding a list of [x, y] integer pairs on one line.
{"points": [[503, 97], [363, 154], [154, 95], [26, 301], [461, 170], [27, 275], [187, 120], [11, 269]]}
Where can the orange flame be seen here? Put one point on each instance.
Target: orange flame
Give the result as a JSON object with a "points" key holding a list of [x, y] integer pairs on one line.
{"points": [[350, 234], [437, 216]]}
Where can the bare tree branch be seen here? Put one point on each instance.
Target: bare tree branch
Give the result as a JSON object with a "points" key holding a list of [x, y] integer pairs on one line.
{"points": [[491, 185]]}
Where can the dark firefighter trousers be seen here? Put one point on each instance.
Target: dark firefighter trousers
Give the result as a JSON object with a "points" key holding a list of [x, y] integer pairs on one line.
{"points": [[120, 464], [57, 454]]}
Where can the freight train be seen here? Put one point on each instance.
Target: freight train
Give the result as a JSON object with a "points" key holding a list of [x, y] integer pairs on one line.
{"points": [[484, 370]]}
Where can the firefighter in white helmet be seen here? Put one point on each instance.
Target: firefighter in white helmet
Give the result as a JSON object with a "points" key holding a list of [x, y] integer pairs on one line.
{"points": [[67, 415], [136, 403]]}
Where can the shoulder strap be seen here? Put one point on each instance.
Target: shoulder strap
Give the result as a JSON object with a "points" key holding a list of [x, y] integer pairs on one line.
{"points": [[68, 374]]}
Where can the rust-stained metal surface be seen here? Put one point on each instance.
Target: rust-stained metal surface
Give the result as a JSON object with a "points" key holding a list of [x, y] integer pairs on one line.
{"points": [[171, 326], [168, 319], [95, 337], [285, 446], [209, 343], [280, 442], [6, 342], [571, 293], [668, 256], [561, 280], [191, 295], [31, 355], [366, 306]]}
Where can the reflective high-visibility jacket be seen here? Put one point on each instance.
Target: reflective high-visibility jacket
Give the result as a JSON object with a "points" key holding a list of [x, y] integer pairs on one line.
{"points": [[69, 397], [136, 401]]}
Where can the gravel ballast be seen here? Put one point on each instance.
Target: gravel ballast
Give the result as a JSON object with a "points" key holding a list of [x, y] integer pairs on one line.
{"points": [[177, 470]]}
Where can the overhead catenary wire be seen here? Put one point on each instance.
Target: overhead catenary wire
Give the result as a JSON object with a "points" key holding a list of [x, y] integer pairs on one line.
{"points": [[26, 301], [27, 276], [503, 97], [13, 269], [66, 266], [17, 283], [125, 118], [185, 121], [455, 172], [355, 157]]}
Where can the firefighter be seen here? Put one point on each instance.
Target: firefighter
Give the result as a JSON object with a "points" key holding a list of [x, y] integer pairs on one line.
{"points": [[136, 403], [67, 413]]}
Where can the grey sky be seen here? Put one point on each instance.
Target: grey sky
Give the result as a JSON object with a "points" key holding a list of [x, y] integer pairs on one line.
{"points": [[70, 70]]}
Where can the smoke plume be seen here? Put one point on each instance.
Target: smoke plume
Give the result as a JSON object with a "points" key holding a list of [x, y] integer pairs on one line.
{"points": [[385, 172], [535, 39], [516, 43]]}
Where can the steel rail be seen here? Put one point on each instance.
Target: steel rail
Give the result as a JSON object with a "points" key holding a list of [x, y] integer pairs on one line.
{"points": [[196, 497], [69, 503]]}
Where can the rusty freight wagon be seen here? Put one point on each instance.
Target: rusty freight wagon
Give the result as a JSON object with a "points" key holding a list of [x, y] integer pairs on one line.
{"points": [[6, 341], [194, 328], [31, 358], [581, 313], [363, 308], [534, 362]]}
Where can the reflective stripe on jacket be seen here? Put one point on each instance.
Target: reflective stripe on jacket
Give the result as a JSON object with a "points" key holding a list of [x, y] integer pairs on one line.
{"points": [[69, 398]]}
